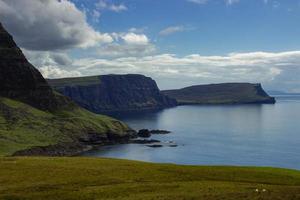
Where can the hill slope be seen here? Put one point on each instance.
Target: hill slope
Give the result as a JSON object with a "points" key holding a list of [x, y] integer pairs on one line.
{"points": [[113, 93], [226, 93], [88, 178], [36, 120]]}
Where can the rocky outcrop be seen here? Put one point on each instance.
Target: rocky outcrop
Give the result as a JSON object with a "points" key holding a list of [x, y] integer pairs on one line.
{"points": [[114, 93], [226, 93]]}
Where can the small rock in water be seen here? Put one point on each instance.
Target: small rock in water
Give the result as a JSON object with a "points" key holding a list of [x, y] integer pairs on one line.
{"points": [[144, 141], [160, 132], [155, 145], [144, 133]]}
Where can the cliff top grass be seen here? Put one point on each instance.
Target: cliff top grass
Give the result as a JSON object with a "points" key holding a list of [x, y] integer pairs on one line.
{"points": [[91, 178], [86, 80], [23, 126], [78, 81]]}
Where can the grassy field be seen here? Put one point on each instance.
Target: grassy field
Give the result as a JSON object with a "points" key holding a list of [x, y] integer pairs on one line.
{"points": [[91, 178]]}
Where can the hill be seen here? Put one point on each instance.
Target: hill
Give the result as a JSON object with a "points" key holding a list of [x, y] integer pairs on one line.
{"points": [[91, 178], [224, 93], [114, 93], [36, 120]]}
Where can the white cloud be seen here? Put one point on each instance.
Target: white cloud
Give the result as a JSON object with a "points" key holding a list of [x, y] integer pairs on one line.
{"points": [[127, 44], [124, 50], [275, 70], [52, 64], [172, 29], [49, 24], [133, 38], [105, 5]]}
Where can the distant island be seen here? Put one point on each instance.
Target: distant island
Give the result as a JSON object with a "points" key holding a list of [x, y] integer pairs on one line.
{"points": [[224, 93], [276, 92]]}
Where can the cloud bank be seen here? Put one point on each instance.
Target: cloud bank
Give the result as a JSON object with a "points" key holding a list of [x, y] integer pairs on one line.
{"points": [[272, 69], [49, 25]]}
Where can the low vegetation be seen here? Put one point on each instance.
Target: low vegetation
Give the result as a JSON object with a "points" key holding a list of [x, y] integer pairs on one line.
{"points": [[91, 178], [23, 126]]}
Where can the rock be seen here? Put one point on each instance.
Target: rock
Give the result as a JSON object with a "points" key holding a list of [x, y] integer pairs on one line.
{"points": [[108, 94], [173, 145], [145, 133], [155, 145], [160, 132], [144, 141]]}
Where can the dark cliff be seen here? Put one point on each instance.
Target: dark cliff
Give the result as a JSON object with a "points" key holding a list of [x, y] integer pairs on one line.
{"points": [[114, 93], [36, 120], [20, 80], [226, 93]]}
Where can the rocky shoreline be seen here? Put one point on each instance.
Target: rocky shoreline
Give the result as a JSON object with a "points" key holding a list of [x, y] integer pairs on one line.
{"points": [[93, 142]]}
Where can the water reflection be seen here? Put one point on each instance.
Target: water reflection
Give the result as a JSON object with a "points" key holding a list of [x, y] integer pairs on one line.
{"points": [[264, 135]]}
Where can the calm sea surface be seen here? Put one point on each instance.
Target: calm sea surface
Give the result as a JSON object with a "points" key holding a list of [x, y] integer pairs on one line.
{"points": [[260, 135]]}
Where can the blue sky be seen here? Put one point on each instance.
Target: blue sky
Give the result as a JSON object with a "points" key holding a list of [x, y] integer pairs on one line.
{"points": [[176, 42], [214, 27]]}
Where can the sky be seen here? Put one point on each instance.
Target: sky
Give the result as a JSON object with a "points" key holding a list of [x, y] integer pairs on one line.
{"points": [[176, 42]]}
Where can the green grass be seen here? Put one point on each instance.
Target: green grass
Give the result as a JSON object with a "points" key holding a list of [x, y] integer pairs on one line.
{"points": [[77, 81], [23, 127], [91, 179]]}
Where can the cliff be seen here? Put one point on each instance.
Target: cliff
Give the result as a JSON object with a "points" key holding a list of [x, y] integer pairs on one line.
{"points": [[21, 81], [114, 93], [36, 120], [226, 93]]}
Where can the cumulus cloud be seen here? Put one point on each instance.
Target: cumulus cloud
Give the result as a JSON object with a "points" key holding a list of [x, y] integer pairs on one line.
{"points": [[52, 64], [49, 24], [133, 38], [127, 44], [106, 5]]}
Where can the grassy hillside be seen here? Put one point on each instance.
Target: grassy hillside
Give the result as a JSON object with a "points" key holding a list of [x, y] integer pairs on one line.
{"points": [[90, 179], [23, 126], [224, 93]]}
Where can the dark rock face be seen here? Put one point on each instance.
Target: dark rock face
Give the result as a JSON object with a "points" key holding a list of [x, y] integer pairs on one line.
{"points": [[158, 132], [114, 93], [225, 93], [145, 133], [20, 80]]}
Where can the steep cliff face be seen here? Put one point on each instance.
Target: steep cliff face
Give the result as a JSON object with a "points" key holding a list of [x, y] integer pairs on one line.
{"points": [[114, 93], [36, 120], [226, 93], [20, 80]]}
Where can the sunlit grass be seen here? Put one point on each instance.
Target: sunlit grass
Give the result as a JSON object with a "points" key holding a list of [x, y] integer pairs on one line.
{"points": [[91, 178]]}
